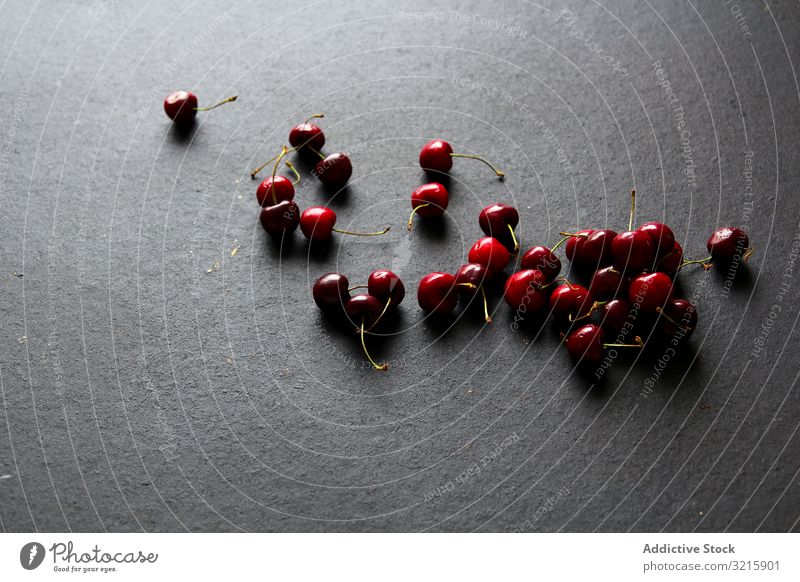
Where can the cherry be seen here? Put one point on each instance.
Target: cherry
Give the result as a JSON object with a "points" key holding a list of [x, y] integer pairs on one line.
{"points": [[181, 107], [437, 294], [607, 283], [317, 224], [365, 311], [335, 170], [470, 279], [499, 220], [427, 201], [437, 155], [307, 135], [729, 243], [331, 291], [678, 319], [615, 315], [571, 301], [595, 251], [273, 190], [650, 291], [386, 287], [575, 242], [281, 217], [670, 262], [632, 251], [490, 253], [524, 291], [542, 259], [585, 344], [662, 236]]}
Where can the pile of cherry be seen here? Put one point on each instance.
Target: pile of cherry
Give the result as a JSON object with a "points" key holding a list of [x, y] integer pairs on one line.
{"points": [[631, 274]]}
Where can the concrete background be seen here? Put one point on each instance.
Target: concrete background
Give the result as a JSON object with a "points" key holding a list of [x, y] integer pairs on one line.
{"points": [[153, 379]]}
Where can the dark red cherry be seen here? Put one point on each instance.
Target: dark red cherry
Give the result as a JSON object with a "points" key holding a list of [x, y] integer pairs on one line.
{"points": [[385, 285], [331, 292], [499, 220], [662, 236], [317, 223], [650, 291], [607, 283], [671, 261], [307, 135], [437, 294], [363, 310], [335, 170], [490, 253], [585, 345], [633, 251], [570, 301], [271, 191], [281, 217], [428, 200], [470, 277], [678, 319], [728, 243], [595, 251], [575, 244], [542, 259], [436, 155], [523, 291], [181, 107], [615, 315]]}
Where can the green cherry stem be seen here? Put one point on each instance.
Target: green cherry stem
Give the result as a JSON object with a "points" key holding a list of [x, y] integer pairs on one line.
{"points": [[705, 262], [379, 233], [284, 151], [633, 209], [223, 102], [255, 172], [381, 367], [411, 217], [668, 318], [638, 343], [513, 238], [320, 154], [485, 306], [290, 165], [499, 174], [354, 287]]}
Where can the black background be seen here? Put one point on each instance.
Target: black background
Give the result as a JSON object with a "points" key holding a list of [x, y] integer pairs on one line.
{"points": [[152, 379]]}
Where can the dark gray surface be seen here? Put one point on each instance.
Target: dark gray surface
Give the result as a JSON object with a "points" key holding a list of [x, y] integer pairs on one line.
{"points": [[142, 392]]}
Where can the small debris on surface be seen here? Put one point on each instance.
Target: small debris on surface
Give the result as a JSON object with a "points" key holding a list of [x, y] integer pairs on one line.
{"points": [[214, 267], [704, 405], [235, 251]]}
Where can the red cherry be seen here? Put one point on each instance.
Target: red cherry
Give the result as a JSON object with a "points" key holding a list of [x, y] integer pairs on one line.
{"points": [[542, 259], [307, 135], [570, 301], [575, 244], [595, 251], [585, 345], [678, 319], [523, 291], [470, 277], [317, 224], [499, 220], [364, 311], [386, 286], [437, 155], [607, 283], [428, 200], [670, 262], [632, 251], [271, 191], [335, 170], [662, 236], [331, 291], [728, 243], [437, 294], [615, 315], [490, 253], [651, 291], [181, 107], [281, 217]]}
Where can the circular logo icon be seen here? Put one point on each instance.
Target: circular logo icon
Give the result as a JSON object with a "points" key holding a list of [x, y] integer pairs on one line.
{"points": [[31, 555]]}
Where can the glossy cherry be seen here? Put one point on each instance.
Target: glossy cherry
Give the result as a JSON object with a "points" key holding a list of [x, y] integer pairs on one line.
{"points": [[437, 293], [728, 243], [585, 344], [491, 253], [317, 224], [364, 311], [615, 315], [470, 280], [575, 243], [181, 107], [437, 155], [335, 170], [670, 262], [499, 220], [281, 217], [387, 287], [273, 190], [678, 319], [542, 259], [633, 251], [650, 291], [607, 283], [570, 301], [662, 236], [595, 251], [427, 201], [331, 291], [307, 136], [524, 291]]}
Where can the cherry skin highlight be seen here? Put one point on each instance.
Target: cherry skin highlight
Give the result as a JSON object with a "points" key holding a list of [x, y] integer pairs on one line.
{"points": [[607, 283], [181, 107], [585, 345], [385, 286], [335, 170], [331, 292], [282, 189], [542, 259], [306, 136], [662, 236], [317, 223], [615, 315], [437, 294], [570, 301], [633, 251], [728, 243], [595, 251], [490, 253], [499, 220], [280, 218], [523, 291], [651, 291]]}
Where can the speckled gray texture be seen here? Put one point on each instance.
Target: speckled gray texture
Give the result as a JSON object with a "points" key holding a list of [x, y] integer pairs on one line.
{"points": [[152, 379]]}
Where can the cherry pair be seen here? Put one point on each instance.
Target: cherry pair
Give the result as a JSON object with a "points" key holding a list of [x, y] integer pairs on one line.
{"points": [[182, 107], [438, 292]]}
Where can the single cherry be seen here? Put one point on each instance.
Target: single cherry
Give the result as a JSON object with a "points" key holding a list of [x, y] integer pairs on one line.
{"points": [[615, 315], [571, 302], [437, 155], [307, 136], [490, 253], [427, 201], [437, 293], [181, 107], [331, 291], [670, 262], [317, 224], [470, 279], [387, 287], [335, 170], [364, 311], [633, 251], [281, 217], [575, 242], [650, 291], [585, 344], [678, 319], [607, 283], [595, 251], [542, 259], [524, 291], [273, 190], [662, 236], [729, 243], [499, 220]]}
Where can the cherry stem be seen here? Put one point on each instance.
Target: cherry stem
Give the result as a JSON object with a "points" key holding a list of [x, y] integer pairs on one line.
{"points": [[594, 306], [381, 367], [255, 172], [315, 116], [563, 280], [567, 236], [290, 165], [321, 156], [354, 287], [485, 306], [223, 102], [380, 232], [500, 174], [668, 318], [633, 209], [638, 344], [748, 253], [513, 237], [284, 151], [413, 212], [705, 262], [385, 308]]}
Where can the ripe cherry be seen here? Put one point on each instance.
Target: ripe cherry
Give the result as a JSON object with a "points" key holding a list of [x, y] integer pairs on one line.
{"points": [[437, 155], [437, 294], [633, 251], [335, 170], [662, 236], [670, 262], [331, 291], [387, 287], [317, 224], [524, 291], [585, 345], [595, 251], [281, 217], [678, 319], [729, 243], [273, 190], [427, 201], [542, 259], [615, 315], [651, 291], [364, 311], [181, 107], [607, 283], [490, 253], [307, 136], [499, 220], [575, 242], [470, 279], [571, 301]]}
